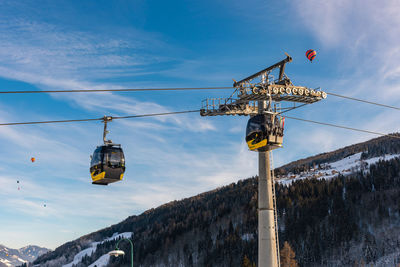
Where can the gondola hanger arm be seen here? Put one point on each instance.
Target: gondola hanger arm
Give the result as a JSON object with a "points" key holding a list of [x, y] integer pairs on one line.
{"points": [[105, 120]]}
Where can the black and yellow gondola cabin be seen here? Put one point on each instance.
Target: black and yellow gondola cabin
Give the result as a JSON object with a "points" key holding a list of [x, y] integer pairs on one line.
{"points": [[263, 132], [107, 164]]}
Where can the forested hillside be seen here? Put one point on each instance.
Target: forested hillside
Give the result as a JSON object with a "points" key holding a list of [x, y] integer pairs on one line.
{"points": [[345, 221]]}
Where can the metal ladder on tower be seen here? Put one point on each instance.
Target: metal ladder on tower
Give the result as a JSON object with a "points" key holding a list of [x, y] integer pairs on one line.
{"points": [[275, 209]]}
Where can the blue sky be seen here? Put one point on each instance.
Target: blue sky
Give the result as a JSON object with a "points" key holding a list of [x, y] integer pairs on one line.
{"points": [[151, 44]]}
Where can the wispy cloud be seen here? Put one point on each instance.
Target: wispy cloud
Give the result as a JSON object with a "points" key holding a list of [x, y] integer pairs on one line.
{"points": [[49, 57], [367, 35], [165, 155], [37, 47]]}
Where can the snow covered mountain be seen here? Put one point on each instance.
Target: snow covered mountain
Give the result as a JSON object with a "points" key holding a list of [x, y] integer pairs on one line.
{"points": [[345, 166], [15, 257]]}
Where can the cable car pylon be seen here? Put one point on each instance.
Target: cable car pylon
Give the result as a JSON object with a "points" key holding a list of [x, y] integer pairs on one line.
{"points": [[263, 98]]}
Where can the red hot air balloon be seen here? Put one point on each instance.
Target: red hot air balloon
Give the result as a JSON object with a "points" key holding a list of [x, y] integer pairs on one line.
{"points": [[33, 159], [311, 54]]}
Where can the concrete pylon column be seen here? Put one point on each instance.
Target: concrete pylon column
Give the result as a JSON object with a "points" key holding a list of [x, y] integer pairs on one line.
{"points": [[267, 255], [266, 227]]}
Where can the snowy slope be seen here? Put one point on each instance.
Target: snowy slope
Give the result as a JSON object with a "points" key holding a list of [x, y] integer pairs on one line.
{"points": [[344, 166], [392, 259], [101, 262], [92, 248]]}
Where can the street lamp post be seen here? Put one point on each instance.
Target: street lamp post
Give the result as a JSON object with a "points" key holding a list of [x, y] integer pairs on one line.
{"points": [[117, 252]]}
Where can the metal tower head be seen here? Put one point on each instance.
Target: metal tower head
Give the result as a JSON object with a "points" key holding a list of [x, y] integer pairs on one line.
{"points": [[249, 92]]}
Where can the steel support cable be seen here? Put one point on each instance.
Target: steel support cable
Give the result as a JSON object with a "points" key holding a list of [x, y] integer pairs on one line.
{"points": [[171, 89], [155, 114], [47, 122], [117, 90], [343, 127], [350, 98], [292, 108], [182, 112], [98, 119], [363, 101]]}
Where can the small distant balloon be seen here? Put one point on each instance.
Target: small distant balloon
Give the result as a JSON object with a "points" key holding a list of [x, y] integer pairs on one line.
{"points": [[33, 159], [311, 54], [17, 182], [44, 205]]}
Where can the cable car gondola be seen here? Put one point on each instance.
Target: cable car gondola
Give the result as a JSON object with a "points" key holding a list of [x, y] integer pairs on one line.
{"points": [[108, 161], [264, 132]]}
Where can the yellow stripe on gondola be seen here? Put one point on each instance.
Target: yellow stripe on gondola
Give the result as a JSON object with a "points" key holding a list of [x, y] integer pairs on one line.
{"points": [[98, 176], [257, 145], [121, 176]]}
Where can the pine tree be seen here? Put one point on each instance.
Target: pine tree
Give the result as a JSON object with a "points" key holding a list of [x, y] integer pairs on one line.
{"points": [[288, 256], [359, 264], [246, 262]]}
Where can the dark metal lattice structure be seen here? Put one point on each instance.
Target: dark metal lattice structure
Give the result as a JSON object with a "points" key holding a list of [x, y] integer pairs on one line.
{"points": [[248, 92]]}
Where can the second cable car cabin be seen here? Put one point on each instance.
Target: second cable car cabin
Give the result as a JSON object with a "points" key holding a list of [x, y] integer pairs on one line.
{"points": [[107, 165], [108, 161], [264, 132]]}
